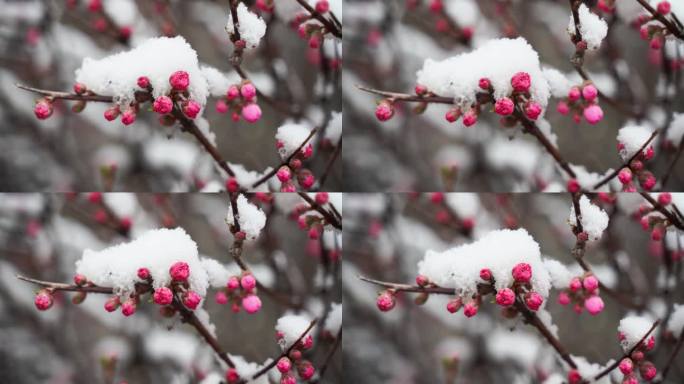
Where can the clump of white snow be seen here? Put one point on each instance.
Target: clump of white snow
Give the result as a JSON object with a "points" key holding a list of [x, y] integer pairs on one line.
{"points": [[634, 328], [334, 130], [499, 251], [676, 129], [594, 219], [334, 320], [156, 58], [559, 84], [292, 327], [250, 26], [290, 136], [633, 137], [560, 274], [156, 250], [246, 369], [676, 322], [498, 60], [250, 217], [592, 28], [247, 178]]}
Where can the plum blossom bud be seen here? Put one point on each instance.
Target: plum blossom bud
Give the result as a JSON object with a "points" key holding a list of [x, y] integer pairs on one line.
{"points": [[648, 371], [533, 300], [522, 272], [162, 296], [665, 198], [470, 309], [43, 300], [112, 113], [574, 94], [625, 176], [43, 109], [321, 198], [128, 307], [486, 274], [574, 377], [664, 7], [233, 283], [221, 298], [484, 83], [179, 80], [573, 186], [233, 92], [284, 365], [80, 88], [128, 117], [179, 271], [251, 303], [505, 297], [593, 114], [305, 370], [232, 185], [232, 376], [533, 110], [248, 282], [288, 378], [191, 108], [191, 299], [626, 366], [648, 181], [322, 6], [384, 111], [143, 82], [470, 117], [221, 106], [454, 305], [386, 301], [521, 82], [589, 92], [112, 304], [563, 298], [143, 273], [590, 283], [251, 112], [80, 280], [575, 284], [284, 174], [504, 106], [248, 91], [420, 89], [162, 105], [562, 108], [452, 115], [594, 305]]}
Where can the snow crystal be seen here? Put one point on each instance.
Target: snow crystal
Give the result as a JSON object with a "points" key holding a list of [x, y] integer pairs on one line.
{"points": [[292, 327], [217, 81], [334, 320], [633, 138], [217, 273], [676, 323], [558, 83], [247, 178], [499, 251], [291, 136], [676, 130], [250, 217], [587, 179], [594, 219], [246, 369], [250, 26], [559, 273], [634, 328], [334, 130], [156, 58], [498, 60], [156, 250], [587, 369], [592, 28]]}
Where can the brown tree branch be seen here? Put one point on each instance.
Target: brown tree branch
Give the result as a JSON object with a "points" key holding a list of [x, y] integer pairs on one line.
{"points": [[329, 25], [614, 365], [615, 172], [285, 162], [329, 217]]}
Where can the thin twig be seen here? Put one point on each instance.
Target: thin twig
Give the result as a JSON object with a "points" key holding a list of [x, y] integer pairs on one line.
{"points": [[660, 208], [330, 218], [287, 160], [331, 161], [615, 172], [330, 26], [614, 365]]}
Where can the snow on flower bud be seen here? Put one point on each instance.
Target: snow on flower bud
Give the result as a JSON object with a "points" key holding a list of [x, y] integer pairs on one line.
{"points": [[505, 297], [128, 307], [573, 186], [562, 108], [625, 176], [248, 91], [179, 80], [384, 111], [470, 309], [128, 117], [43, 300], [664, 7], [191, 108], [43, 109], [665, 198], [484, 83], [284, 365], [470, 117], [112, 304], [522, 272], [191, 299], [251, 303], [589, 92], [593, 114], [454, 305], [533, 300], [386, 301], [533, 110], [248, 282], [486, 274], [594, 305], [143, 273], [162, 296], [251, 112], [179, 271], [521, 81], [504, 106], [563, 298], [626, 366]]}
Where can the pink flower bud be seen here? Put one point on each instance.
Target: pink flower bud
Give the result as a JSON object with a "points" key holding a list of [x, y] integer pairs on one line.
{"points": [[573, 186], [574, 94], [233, 283], [162, 105], [322, 6], [315, 41], [232, 185], [251, 112], [288, 379], [288, 187], [284, 365], [533, 300], [630, 379], [191, 108], [221, 106], [143, 82], [470, 117], [590, 283], [650, 343], [163, 296], [305, 370], [43, 300], [43, 109], [665, 198], [179, 80], [589, 92], [648, 182], [80, 280], [128, 117], [452, 115], [179, 271], [321, 198], [593, 114], [650, 152], [386, 301], [484, 84], [251, 304], [575, 284], [128, 307], [626, 366], [420, 89], [436, 6], [533, 110], [112, 304], [657, 233], [486, 274], [232, 376], [505, 297], [574, 377], [454, 305], [221, 298], [664, 7], [248, 282], [143, 273], [437, 197], [112, 113], [563, 298], [656, 42], [521, 82], [470, 309], [647, 370], [625, 176], [248, 91], [562, 108], [233, 92], [191, 299], [594, 305], [384, 111], [504, 106], [284, 174], [80, 88], [522, 272], [306, 179]]}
